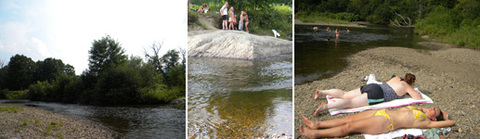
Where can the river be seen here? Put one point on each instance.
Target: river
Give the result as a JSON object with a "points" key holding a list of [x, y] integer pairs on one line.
{"points": [[153, 121], [319, 55], [239, 98]]}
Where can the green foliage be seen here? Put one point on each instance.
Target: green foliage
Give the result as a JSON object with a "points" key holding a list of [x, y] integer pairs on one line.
{"points": [[322, 17], [113, 78], [14, 94], [160, 94], [458, 26], [278, 17], [20, 72], [263, 15], [452, 21], [40, 90], [51, 68], [104, 54]]}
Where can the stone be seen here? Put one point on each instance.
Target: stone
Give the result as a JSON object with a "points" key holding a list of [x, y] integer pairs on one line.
{"points": [[237, 45]]}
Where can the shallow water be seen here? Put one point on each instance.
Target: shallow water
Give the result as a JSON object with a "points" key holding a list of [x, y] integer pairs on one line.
{"points": [[128, 121], [316, 57], [239, 98]]}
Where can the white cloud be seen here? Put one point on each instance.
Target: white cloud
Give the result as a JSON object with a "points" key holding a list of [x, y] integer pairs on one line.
{"points": [[66, 29]]}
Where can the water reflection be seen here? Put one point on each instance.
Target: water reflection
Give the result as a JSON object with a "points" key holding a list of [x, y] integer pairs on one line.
{"points": [[128, 121], [239, 98], [319, 54]]}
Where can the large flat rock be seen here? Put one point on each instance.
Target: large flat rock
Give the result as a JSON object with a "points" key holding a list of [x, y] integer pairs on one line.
{"points": [[237, 45]]}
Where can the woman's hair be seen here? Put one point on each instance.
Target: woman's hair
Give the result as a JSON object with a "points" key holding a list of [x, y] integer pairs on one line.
{"points": [[409, 78], [440, 116]]}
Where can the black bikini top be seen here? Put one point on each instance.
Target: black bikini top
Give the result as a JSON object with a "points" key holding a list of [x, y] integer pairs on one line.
{"points": [[401, 79]]}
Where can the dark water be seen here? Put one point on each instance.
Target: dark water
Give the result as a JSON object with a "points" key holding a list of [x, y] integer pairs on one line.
{"points": [[316, 57], [238, 98], [129, 121]]}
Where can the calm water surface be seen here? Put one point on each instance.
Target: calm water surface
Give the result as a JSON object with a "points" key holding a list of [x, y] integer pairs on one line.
{"points": [[239, 98], [128, 121], [319, 55]]}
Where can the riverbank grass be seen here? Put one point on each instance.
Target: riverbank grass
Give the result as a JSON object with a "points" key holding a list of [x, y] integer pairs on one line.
{"points": [[11, 109]]}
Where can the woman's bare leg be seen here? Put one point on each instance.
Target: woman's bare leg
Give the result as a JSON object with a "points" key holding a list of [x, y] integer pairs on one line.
{"points": [[339, 93], [355, 102], [339, 121], [372, 125]]}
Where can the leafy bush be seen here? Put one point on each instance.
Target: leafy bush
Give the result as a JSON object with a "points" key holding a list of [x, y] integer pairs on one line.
{"points": [[14, 94], [160, 94], [445, 24], [39, 90]]}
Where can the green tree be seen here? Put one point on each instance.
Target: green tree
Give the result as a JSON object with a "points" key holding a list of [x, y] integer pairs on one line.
{"points": [[20, 72], [51, 68], [104, 54]]}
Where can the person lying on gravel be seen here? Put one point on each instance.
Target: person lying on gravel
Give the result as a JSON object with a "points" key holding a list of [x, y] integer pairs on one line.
{"points": [[377, 122], [370, 94]]}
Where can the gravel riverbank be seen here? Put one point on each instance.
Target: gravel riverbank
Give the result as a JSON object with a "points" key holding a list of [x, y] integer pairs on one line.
{"points": [[20, 121], [451, 77]]}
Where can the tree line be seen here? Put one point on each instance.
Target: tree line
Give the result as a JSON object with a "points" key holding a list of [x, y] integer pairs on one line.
{"points": [[452, 21], [112, 77]]}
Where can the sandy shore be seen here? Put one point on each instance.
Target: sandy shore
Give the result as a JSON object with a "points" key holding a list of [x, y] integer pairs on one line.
{"points": [[33, 122], [451, 77]]}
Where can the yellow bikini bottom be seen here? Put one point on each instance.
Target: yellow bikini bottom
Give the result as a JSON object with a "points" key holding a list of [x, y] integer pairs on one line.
{"points": [[383, 113]]}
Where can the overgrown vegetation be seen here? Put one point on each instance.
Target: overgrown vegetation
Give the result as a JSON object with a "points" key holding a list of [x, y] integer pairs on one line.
{"points": [[111, 79], [263, 15], [452, 21]]}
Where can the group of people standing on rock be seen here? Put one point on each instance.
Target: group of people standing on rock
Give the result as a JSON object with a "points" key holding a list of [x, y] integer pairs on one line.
{"points": [[229, 19]]}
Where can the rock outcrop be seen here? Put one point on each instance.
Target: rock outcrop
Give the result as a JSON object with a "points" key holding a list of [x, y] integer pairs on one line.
{"points": [[237, 45]]}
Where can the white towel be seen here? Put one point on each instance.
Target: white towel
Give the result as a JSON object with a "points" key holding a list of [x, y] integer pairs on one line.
{"points": [[394, 134], [400, 132], [405, 100]]}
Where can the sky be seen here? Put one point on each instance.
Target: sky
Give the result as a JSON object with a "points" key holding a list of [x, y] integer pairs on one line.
{"points": [[66, 29]]}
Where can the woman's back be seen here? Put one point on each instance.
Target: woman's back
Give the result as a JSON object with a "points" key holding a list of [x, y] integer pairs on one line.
{"points": [[398, 85]]}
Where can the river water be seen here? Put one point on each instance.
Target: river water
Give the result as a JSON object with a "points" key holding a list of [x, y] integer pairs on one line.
{"points": [[239, 98], [319, 54], [166, 121]]}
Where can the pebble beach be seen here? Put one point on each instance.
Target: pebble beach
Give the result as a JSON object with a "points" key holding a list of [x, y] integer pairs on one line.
{"points": [[20, 121], [450, 76]]}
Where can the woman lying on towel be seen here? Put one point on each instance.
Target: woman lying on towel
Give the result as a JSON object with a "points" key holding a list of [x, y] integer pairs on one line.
{"points": [[370, 94], [377, 122]]}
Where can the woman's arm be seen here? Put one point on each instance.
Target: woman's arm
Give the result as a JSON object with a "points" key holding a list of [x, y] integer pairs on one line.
{"points": [[414, 94], [440, 124]]}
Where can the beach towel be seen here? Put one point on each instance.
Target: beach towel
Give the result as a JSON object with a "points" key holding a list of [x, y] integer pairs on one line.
{"points": [[429, 133], [394, 134], [405, 100]]}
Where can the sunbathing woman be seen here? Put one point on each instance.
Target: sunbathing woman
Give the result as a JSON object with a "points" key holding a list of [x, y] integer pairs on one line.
{"points": [[377, 122], [370, 94]]}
